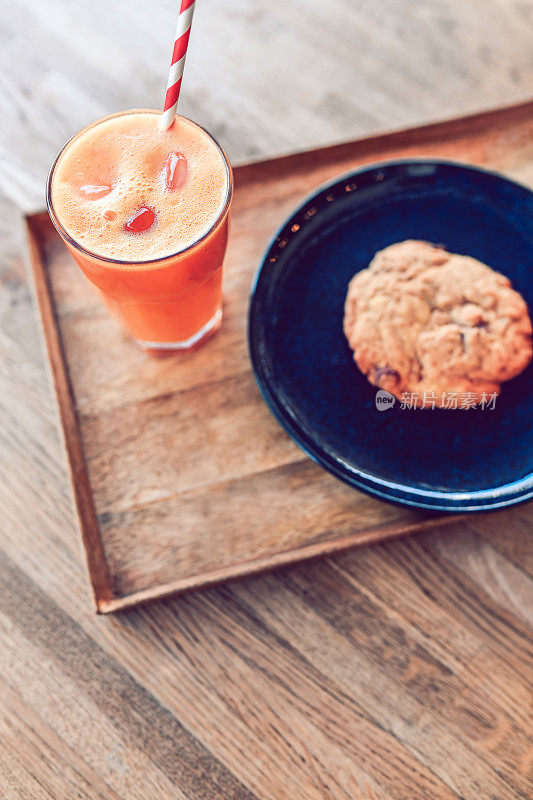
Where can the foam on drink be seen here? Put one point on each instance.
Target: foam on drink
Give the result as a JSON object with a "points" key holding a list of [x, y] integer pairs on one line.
{"points": [[125, 189]]}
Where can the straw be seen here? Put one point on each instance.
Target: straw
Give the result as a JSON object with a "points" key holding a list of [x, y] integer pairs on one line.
{"points": [[179, 53]]}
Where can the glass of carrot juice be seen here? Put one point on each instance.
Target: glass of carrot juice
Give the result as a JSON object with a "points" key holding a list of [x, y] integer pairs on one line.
{"points": [[145, 213]]}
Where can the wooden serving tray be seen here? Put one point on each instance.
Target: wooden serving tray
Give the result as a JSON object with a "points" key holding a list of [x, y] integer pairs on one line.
{"points": [[180, 474]]}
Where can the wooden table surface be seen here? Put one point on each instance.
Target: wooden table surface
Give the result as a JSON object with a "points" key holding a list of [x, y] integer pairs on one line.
{"points": [[396, 671]]}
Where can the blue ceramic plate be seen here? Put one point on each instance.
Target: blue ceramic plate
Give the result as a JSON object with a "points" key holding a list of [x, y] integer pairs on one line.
{"points": [[462, 460]]}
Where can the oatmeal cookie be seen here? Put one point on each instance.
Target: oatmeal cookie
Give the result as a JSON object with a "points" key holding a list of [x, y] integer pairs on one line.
{"points": [[420, 319]]}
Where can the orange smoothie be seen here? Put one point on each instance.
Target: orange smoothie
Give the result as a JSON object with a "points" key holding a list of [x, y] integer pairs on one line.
{"points": [[145, 214]]}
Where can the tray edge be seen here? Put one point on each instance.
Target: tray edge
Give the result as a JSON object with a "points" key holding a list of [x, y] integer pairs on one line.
{"points": [[287, 558], [100, 578]]}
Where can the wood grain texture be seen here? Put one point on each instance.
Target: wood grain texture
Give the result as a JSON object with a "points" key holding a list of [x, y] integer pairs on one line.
{"points": [[172, 490], [288, 686], [266, 78]]}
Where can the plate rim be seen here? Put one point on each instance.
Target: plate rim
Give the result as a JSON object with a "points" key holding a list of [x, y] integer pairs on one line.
{"points": [[401, 494]]}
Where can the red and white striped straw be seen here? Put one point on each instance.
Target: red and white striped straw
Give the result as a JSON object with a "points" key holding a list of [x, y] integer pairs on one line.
{"points": [[179, 53]]}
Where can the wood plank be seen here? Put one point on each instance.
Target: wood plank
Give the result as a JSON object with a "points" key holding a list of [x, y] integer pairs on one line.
{"points": [[328, 761], [510, 534], [17, 782], [407, 584], [120, 706], [325, 752], [340, 631], [507, 585], [56, 768]]}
